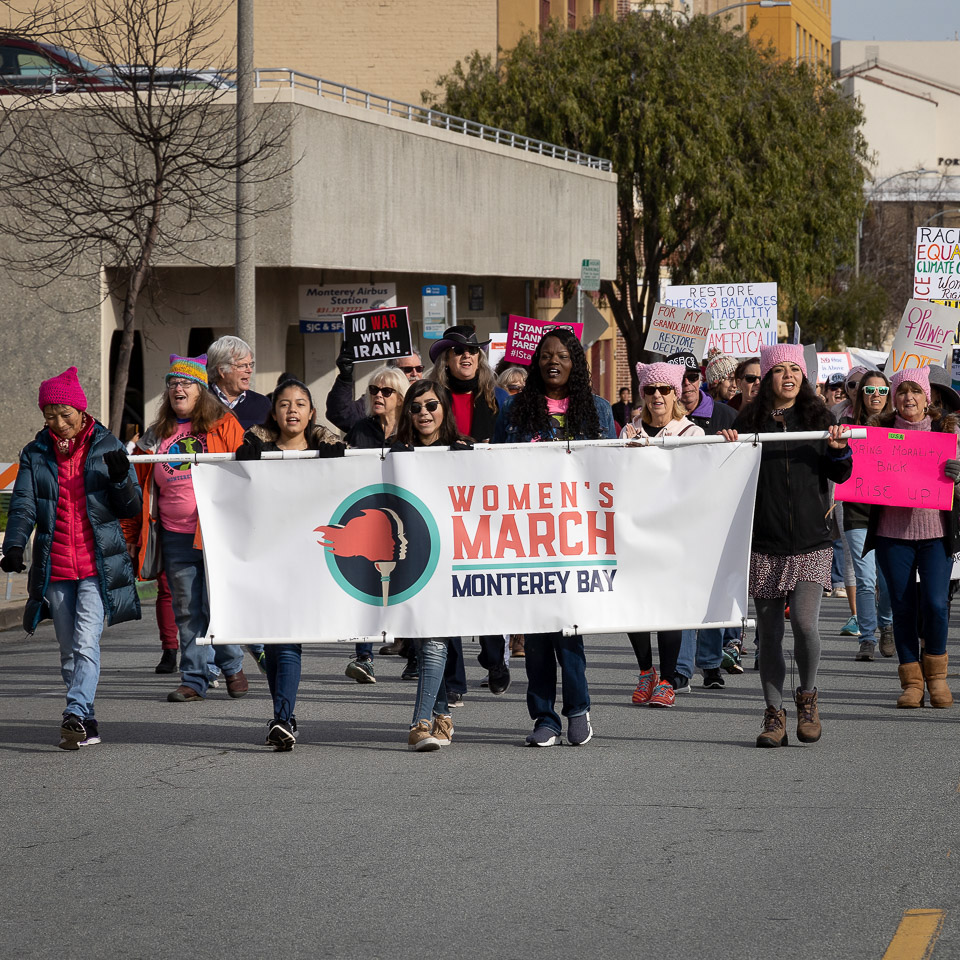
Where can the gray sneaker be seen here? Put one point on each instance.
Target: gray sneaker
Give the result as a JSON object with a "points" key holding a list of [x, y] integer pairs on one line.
{"points": [[542, 736], [579, 730], [865, 652], [361, 670], [887, 647]]}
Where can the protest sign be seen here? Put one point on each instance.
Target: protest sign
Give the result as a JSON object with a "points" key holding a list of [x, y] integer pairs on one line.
{"points": [[521, 539], [322, 306], [937, 264], [900, 469], [744, 314], [925, 333], [831, 363], [378, 334], [497, 348], [524, 333], [955, 368], [677, 330]]}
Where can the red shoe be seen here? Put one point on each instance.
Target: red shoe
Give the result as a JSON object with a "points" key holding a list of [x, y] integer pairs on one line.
{"points": [[645, 685], [663, 695], [786, 612]]}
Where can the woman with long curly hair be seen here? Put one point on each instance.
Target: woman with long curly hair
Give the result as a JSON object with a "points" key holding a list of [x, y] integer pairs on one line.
{"points": [[792, 548], [556, 404]]}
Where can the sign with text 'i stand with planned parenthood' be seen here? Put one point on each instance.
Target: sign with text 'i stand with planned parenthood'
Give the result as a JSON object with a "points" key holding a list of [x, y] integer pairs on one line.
{"points": [[378, 334], [322, 306], [744, 315]]}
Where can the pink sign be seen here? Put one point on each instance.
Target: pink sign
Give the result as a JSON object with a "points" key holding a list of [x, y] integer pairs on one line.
{"points": [[524, 333], [900, 469]]}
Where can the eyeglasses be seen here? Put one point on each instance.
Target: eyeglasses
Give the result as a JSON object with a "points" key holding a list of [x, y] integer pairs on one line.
{"points": [[871, 390], [853, 384], [417, 369], [243, 366], [662, 390], [431, 405], [750, 377], [173, 384], [386, 391], [692, 377], [470, 348]]}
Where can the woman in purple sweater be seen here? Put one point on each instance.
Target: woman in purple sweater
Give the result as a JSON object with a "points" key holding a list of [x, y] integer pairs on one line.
{"points": [[914, 540]]}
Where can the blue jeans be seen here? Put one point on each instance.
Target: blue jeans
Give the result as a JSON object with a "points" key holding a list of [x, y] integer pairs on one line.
{"points": [[283, 677], [363, 650], [431, 687], [187, 578], [77, 610], [455, 674], [873, 599], [901, 561], [709, 648], [543, 652]]}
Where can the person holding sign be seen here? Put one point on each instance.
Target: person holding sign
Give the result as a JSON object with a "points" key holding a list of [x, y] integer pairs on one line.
{"points": [[556, 404], [792, 544], [912, 541]]}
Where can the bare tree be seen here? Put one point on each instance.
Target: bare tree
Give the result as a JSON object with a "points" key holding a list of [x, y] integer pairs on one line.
{"points": [[133, 171]]}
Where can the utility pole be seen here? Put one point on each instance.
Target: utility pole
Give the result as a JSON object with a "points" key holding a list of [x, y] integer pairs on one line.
{"points": [[245, 282]]}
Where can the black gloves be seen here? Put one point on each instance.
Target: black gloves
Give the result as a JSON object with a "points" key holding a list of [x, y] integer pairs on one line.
{"points": [[951, 470], [345, 362], [12, 561], [117, 463], [250, 449], [327, 450], [461, 444]]}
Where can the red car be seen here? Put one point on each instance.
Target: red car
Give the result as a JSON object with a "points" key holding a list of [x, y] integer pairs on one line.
{"points": [[28, 66]]}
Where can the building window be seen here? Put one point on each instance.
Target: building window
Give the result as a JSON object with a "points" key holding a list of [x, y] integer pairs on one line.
{"points": [[798, 43], [544, 14], [572, 14], [596, 8]]}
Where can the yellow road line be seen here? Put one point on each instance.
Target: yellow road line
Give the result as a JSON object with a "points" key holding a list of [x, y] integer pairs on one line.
{"points": [[916, 936]]}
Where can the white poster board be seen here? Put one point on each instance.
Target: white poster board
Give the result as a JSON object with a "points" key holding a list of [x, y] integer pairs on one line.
{"points": [[925, 334], [937, 264], [830, 363], [675, 330]]}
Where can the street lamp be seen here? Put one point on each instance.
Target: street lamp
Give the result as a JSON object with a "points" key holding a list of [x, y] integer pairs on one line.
{"points": [[763, 4], [903, 173], [937, 216]]}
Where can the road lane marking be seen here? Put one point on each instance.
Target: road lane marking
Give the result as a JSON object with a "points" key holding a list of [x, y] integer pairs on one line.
{"points": [[916, 936]]}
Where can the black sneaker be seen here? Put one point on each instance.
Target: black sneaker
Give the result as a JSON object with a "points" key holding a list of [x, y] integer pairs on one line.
{"points": [[712, 678], [72, 731], [93, 733], [680, 684], [454, 699], [411, 671], [168, 662], [499, 680], [282, 734]]}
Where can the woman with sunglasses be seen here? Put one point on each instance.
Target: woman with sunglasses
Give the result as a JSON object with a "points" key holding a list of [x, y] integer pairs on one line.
{"points": [[747, 379], [556, 404], [512, 380], [871, 399], [792, 548], [660, 386], [912, 542], [426, 420]]}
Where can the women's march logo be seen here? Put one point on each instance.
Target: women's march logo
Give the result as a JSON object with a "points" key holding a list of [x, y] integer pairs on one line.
{"points": [[382, 545]]}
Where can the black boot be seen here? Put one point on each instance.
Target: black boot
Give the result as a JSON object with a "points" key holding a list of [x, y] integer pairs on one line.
{"points": [[168, 662]]}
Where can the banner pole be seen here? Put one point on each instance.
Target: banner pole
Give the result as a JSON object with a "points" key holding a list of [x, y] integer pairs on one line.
{"points": [[716, 625]]}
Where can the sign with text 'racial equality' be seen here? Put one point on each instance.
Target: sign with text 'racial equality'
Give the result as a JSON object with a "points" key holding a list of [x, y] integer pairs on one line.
{"points": [[744, 315], [678, 330], [937, 265], [378, 334]]}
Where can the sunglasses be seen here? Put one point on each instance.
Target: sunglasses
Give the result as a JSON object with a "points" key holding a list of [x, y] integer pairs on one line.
{"points": [[431, 405], [662, 390], [750, 377], [871, 390], [470, 348], [692, 377], [853, 384], [386, 391], [418, 369]]}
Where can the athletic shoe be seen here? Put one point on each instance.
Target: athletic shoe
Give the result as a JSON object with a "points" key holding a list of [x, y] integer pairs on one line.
{"points": [[645, 685], [262, 662], [72, 732], [681, 684], [93, 733], [411, 671], [887, 647], [421, 738], [712, 678], [184, 694], [442, 729], [499, 680], [731, 660], [281, 735], [542, 736], [840, 592], [865, 652], [579, 730], [454, 699], [485, 682], [168, 662], [786, 612], [851, 628], [361, 670], [663, 695]]}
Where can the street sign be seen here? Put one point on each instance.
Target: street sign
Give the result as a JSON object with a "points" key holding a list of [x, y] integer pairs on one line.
{"points": [[594, 322], [434, 311], [590, 275], [321, 326]]}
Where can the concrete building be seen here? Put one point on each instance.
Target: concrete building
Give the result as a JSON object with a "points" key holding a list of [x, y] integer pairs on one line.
{"points": [[376, 200]]}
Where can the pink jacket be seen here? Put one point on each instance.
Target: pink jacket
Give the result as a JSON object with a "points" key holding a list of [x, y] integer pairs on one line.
{"points": [[675, 428], [72, 554]]}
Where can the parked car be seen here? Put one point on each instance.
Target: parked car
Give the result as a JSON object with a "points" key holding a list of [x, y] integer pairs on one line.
{"points": [[33, 67], [170, 78]]}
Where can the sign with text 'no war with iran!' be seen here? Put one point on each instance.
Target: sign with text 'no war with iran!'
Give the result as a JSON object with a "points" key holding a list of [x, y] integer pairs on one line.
{"points": [[378, 334]]}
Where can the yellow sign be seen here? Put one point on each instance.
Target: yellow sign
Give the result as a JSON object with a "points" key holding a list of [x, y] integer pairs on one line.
{"points": [[948, 303]]}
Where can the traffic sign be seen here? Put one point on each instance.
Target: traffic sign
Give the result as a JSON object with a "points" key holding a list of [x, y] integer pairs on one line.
{"points": [[590, 275]]}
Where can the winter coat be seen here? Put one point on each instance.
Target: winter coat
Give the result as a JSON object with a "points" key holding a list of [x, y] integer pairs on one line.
{"points": [[484, 419], [366, 434], [793, 507], [342, 410], [712, 415], [675, 428], [250, 408], [318, 436], [506, 432], [225, 436], [34, 501], [73, 553]]}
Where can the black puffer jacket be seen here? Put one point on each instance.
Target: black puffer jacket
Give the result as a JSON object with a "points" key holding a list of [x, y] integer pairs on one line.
{"points": [[792, 512]]}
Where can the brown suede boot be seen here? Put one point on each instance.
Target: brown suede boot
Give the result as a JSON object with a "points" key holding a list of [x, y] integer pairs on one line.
{"points": [[808, 717], [774, 732], [935, 672], [911, 679]]}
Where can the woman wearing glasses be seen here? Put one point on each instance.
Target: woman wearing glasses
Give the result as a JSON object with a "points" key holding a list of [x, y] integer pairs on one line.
{"points": [[747, 379], [191, 420], [871, 399]]}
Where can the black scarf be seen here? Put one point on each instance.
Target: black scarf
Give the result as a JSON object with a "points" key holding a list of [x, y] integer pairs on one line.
{"points": [[484, 418]]}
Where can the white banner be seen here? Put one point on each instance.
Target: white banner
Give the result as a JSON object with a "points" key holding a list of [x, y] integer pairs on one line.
{"points": [[497, 540]]}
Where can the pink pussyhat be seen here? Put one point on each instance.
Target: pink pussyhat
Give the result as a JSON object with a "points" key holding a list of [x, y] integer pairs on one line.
{"points": [[781, 353], [918, 375], [671, 373], [63, 388]]}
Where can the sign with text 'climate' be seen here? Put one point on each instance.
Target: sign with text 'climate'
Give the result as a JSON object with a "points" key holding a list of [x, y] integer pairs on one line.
{"points": [[936, 273]]}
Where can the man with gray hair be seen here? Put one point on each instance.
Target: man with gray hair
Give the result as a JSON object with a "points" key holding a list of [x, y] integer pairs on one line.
{"points": [[229, 368]]}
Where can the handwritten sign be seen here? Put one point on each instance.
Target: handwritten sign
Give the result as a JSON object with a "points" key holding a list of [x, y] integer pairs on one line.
{"points": [[900, 469], [830, 363], [937, 266], [378, 334], [525, 333], [744, 315], [925, 334], [678, 330]]}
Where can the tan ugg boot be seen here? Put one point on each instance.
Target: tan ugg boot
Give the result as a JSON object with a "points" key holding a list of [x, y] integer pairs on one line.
{"points": [[911, 679], [935, 673], [808, 717]]}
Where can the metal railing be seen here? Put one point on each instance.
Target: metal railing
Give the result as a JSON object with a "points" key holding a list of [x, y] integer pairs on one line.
{"points": [[282, 77]]}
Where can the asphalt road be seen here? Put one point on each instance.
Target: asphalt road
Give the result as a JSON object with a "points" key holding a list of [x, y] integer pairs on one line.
{"points": [[669, 835]]}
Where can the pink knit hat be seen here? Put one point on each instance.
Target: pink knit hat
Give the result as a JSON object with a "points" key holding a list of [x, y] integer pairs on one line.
{"points": [[671, 373], [781, 353], [918, 375], [64, 388]]}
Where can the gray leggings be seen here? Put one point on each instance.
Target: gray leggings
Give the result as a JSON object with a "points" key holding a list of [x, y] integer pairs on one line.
{"points": [[804, 601]]}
